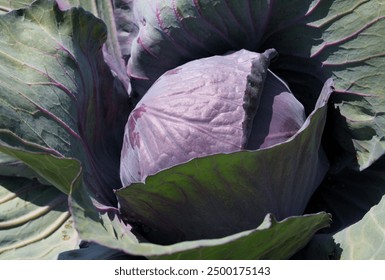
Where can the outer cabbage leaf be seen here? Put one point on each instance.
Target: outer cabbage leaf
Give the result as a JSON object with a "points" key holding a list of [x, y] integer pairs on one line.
{"points": [[59, 107], [350, 194], [118, 17], [8, 5], [107, 229], [12, 167], [355, 200], [94, 251], [316, 40], [126, 25], [218, 195], [364, 240], [344, 41], [34, 220], [271, 240], [174, 32]]}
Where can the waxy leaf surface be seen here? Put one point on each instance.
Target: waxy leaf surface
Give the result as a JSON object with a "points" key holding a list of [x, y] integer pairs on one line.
{"points": [[35, 222], [60, 106]]}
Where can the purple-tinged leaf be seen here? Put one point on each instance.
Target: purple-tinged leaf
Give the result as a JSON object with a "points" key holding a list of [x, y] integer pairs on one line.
{"points": [[121, 27], [113, 54], [174, 32], [316, 40], [125, 25], [60, 108]]}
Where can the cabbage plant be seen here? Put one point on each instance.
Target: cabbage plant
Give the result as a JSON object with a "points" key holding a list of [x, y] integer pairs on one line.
{"points": [[205, 129]]}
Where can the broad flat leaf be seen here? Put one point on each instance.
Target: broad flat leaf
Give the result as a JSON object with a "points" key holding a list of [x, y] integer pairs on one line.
{"points": [[364, 240], [350, 194], [117, 16], [118, 35], [88, 5], [8, 5], [108, 230], [12, 167], [355, 200], [320, 247], [119, 21], [60, 106], [316, 40], [125, 25], [271, 240], [34, 220], [342, 39], [222, 194], [93, 251]]}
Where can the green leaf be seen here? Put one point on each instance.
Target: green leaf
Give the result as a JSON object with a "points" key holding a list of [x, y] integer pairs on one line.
{"points": [[271, 240], [8, 5], [355, 201], [12, 167], [49, 169], [350, 194], [320, 247], [365, 239], [88, 5], [343, 40], [34, 220], [61, 110], [93, 251], [107, 11], [113, 54]]}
